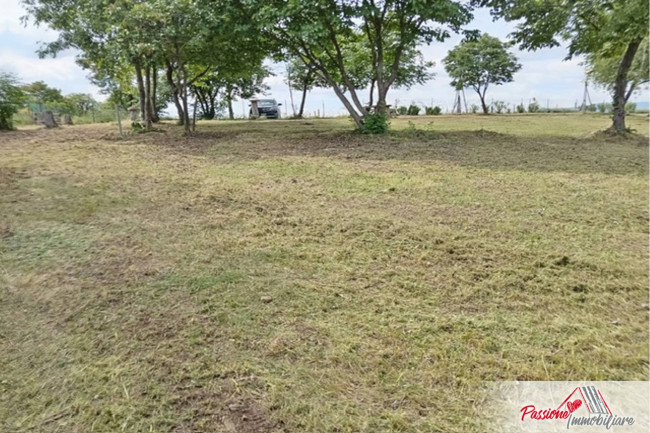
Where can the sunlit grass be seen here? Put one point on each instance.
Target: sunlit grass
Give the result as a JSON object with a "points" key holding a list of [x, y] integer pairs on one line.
{"points": [[404, 271]]}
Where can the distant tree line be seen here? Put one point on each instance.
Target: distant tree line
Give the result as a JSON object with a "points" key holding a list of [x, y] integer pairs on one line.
{"points": [[37, 97], [154, 51]]}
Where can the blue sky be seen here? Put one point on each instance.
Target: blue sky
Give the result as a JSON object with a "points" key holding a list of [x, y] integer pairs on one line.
{"points": [[544, 75]]}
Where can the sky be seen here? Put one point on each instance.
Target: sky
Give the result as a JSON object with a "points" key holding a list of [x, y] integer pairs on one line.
{"points": [[545, 75]]}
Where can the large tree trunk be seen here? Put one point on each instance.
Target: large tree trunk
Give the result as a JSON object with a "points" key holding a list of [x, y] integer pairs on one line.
{"points": [[147, 99], [206, 102], [150, 108], [154, 93], [372, 93], [231, 114], [355, 115], [141, 93], [302, 101], [358, 119], [618, 111], [185, 96], [186, 121], [211, 106], [382, 88], [382, 92], [175, 95], [318, 65], [485, 107], [293, 106], [630, 90]]}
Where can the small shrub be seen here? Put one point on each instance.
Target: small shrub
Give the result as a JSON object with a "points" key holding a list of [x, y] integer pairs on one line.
{"points": [[562, 110], [137, 127], [22, 117], [500, 106], [413, 110], [402, 110], [533, 107], [474, 108], [412, 130], [630, 107], [432, 111], [375, 123], [604, 107], [521, 108]]}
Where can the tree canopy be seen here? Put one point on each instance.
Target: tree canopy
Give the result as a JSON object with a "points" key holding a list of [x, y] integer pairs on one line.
{"points": [[327, 34], [11, 99], [40, 93], [479, 63], [606, 29], [155, 51], [602, 70], [135, 40], [348, 45]]}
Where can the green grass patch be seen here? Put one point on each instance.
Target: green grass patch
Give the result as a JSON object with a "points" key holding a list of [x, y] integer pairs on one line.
{"points": [[296, 276]]}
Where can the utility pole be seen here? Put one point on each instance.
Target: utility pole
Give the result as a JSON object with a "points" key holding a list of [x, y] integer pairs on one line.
{"points": [[585, 97], [465, 101], [456, 108]]}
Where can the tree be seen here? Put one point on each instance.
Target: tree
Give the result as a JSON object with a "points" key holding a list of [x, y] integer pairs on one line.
{"points": [[207, 90], [604, 28], [413, 69], [41, 94], [480, 63], [118, 84], [303, 77], [207, 93], [82, 103], [196, 38], [188, 38], [111, 40], [323, 32], [602, 71], [236, 71], [11, 99], [218, 89], [243, 84], [64, 106]]}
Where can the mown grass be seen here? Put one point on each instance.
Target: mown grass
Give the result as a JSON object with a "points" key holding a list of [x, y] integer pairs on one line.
{"points": [[404, 270]]}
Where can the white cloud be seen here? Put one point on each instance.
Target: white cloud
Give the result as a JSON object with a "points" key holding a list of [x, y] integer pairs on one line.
{"points": [[10, 22], [34, 69], [60, 72]]}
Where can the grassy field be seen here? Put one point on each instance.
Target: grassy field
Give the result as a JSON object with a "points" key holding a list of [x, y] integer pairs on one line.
{"points": [[402, 272]]}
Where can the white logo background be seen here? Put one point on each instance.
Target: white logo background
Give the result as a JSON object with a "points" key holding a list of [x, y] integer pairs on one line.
{"points": [[624, 399]]}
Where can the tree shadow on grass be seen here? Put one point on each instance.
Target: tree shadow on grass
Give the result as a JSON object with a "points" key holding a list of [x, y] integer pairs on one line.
{"points": [[479, 149], [248, 141]]}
